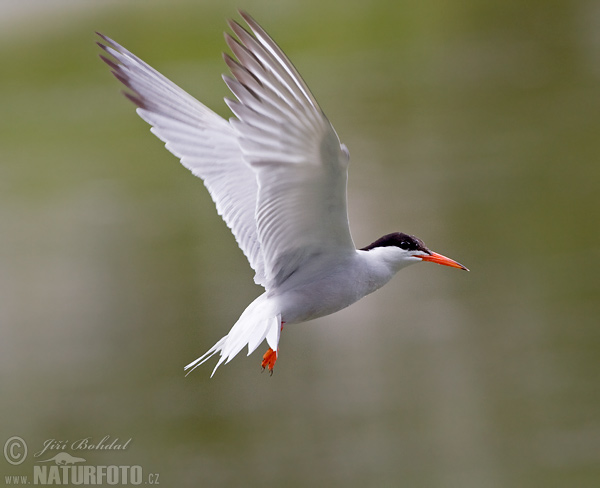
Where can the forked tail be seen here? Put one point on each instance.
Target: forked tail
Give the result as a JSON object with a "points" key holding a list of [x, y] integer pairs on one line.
{"points": [[259, 321]]}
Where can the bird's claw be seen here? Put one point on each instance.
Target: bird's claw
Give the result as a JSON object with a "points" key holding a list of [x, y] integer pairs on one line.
{"points": [[269, 361]]}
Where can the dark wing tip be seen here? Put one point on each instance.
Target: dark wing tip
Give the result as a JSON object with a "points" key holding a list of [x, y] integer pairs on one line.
{"points": [[110, 62], [120, 74], [234, 44], [135, 99], [231, 23], [237, 28], [102, 46], [106, 39], [247, 17]]}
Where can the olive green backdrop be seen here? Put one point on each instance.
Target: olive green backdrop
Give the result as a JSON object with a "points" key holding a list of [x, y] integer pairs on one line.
{"points": [[474, 125]]}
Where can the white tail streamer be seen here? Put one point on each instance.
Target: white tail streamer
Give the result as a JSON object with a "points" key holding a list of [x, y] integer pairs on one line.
{"points": [[259, 321]]}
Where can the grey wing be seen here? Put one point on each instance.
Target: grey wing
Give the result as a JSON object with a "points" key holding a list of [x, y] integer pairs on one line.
{"points": [[302, 168], [206, 143]]}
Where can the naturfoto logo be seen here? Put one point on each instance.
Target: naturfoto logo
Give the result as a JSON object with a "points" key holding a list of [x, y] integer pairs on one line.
{"points": [[63, 462]]}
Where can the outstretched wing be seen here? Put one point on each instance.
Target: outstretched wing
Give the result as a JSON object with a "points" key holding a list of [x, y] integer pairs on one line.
{"points": [[277, 173], [206, 144], [301, 167]]}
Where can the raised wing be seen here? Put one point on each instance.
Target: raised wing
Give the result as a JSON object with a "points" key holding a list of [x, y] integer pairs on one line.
{"points": [[301, 166], [206, 144], [277, 173]]}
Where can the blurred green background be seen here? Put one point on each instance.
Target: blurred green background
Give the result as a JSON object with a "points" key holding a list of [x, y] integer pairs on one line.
{"points": [[474, 125]]}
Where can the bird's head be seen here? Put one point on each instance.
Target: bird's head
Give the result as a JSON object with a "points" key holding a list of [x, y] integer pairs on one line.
{"points": [[403, 249]]}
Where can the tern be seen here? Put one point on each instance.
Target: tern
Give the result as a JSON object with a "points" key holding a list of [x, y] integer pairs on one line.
{"points": [[277, 174]]}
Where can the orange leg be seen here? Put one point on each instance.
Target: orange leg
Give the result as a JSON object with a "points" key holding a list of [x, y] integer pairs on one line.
{"points": [[269, 360]]}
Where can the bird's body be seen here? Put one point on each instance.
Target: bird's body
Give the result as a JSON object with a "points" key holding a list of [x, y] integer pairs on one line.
{"points": [[324, 285], [277, 174], [330, 283]]}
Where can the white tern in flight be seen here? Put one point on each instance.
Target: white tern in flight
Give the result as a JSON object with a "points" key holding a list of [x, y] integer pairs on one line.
{"points": [[277, 174]]}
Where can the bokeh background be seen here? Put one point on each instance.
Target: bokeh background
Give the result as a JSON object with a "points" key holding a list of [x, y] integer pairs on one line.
{"points": [[474, 125]]}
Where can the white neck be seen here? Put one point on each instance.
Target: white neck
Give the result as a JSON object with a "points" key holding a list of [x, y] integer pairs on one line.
{"points": [[382, 263]]}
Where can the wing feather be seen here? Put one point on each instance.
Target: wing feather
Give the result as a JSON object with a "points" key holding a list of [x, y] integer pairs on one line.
{"points": [[300, 163], [276, 172], [206, 144]]}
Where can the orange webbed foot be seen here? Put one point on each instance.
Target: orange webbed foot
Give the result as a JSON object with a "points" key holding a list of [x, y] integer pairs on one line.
{"points": [[269, 360]]}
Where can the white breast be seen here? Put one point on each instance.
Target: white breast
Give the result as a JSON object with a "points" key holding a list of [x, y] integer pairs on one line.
{"points": [[330, 284]]}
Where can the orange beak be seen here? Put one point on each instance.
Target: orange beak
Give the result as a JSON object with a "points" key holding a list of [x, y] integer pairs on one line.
{"points": [[434, 257]]}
